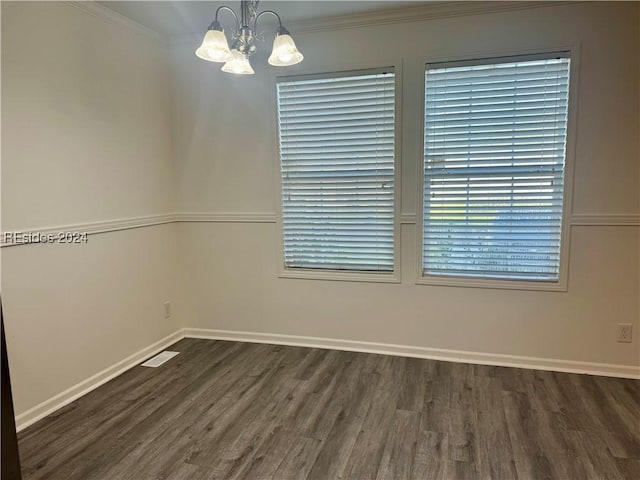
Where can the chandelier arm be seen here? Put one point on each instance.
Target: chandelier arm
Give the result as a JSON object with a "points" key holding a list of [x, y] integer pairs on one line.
{"points": [[228, 9], [255, 22]]}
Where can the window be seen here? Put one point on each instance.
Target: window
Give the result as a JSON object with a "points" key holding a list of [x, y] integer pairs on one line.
{"points": [[494, 156], [337, 138]]}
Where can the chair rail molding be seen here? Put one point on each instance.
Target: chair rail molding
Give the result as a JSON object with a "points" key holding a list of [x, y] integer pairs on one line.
{"points": [[226, 217], [11, 238], [114, 225], [605, 220]]}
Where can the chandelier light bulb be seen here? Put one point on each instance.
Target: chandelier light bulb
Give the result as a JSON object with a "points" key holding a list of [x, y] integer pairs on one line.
{"points": [[239, 64], [284, 52], [214, 47]]}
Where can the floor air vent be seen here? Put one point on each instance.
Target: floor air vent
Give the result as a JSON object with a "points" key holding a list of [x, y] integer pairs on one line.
{"points": [[160, 359]]}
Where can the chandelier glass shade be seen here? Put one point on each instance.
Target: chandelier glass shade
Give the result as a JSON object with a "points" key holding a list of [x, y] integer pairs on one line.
{"points": [[239, 64], [215, 47], [284, 52]]}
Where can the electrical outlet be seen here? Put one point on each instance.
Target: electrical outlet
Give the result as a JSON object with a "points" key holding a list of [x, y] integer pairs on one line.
{"points": [[624, 332], [167, 310]]}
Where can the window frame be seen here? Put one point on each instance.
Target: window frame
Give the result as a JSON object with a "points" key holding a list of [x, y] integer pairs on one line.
{"points": [[573, 52], [345, 275]]}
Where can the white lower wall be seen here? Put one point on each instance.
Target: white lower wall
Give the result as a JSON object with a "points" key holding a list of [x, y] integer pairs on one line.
{"points": [[71, 311], [235, 286]]}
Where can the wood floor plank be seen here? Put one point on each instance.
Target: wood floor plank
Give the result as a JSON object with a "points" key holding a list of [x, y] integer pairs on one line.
{"points": [[431, 456], [348, 408], [412, 386], [492, 422], [595, 458], [247, 408], [310, 363], [629, 468], [283, 433], [400, 449], [298, 462], [532, 459], [234, 458], [463, 425], [331, 389], [231, 410], [366, 455]]}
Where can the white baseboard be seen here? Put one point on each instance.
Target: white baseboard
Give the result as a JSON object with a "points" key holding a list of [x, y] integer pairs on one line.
{"points": [[569, 366], [49, 406]]}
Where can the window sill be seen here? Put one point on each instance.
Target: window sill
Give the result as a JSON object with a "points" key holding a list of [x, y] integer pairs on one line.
{"points": [[333, 275], [560, 286]]}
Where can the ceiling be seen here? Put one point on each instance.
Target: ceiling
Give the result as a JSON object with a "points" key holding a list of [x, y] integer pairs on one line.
{"points": [[178, 18]]}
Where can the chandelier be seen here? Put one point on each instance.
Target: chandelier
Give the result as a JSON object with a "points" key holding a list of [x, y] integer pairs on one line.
{"points": [[215, 48]]}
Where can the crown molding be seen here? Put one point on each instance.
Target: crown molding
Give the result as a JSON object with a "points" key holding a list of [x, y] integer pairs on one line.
{"points": [[106, 14], [420, 13], [387, 16]]}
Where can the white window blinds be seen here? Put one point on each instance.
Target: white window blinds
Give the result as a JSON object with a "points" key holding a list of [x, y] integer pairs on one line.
{"points": [[337, 158], [494, 156]]}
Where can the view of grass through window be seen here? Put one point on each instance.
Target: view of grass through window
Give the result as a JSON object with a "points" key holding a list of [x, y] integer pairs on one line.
{"points": [[494, 155]]}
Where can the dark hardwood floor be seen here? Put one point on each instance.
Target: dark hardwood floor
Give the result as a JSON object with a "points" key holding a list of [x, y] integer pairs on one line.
{"points": [[237, 410]]}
